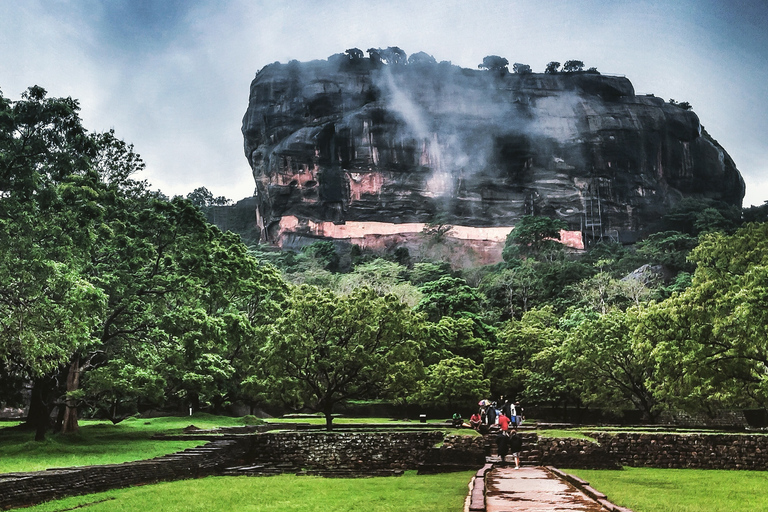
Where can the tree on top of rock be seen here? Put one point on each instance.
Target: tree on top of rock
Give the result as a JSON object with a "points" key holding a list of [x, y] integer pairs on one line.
{"points": [[355, 53], [521, 69], [552, 67], [572, 66], [494, 63]]}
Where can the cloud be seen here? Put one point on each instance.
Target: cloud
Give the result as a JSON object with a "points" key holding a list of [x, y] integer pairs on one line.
{"points": [[173, 76]]}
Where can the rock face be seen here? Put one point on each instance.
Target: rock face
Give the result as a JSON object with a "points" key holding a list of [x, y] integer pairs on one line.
{"points": [[358, 150]]}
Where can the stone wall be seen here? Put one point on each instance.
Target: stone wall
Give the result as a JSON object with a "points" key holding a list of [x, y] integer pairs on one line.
{"points": [[575, 453], [703, 451], [21, 489], [344, 450]]}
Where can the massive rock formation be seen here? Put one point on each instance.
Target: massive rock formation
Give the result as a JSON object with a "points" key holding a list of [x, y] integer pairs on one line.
{"points": [[355, 149]]}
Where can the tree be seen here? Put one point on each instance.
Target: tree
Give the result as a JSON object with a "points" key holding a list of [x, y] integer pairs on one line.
{"points": [[513, 366], [668, 248], [327, 349], [50, 214], [609, 366], [421, 59], [448, 296], [521, 69], [203, 198], [716, 328], [572, 66], [451, 337], [552, 68], [101, 274], [437, 229], [354, 53], [514, 289], [495, 63], [536, 237], [453, 382]]}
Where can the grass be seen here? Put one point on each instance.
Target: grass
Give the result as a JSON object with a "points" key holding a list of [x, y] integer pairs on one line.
{"points": [[284, 493], [100, 442], [560, 433], [681, 490], [439, 424]]}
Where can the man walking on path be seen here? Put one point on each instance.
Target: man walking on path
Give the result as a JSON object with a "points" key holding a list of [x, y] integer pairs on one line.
{"points": [[515, 446]]}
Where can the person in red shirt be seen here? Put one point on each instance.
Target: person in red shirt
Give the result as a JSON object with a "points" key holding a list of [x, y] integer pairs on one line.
{"points": [[504, 423], [475, 421]]}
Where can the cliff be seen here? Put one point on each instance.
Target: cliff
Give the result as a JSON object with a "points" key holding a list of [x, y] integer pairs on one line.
{"points": [[358, 150]]}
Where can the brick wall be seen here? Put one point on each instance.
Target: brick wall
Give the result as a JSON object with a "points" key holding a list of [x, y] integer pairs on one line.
{"points": [[704, 451], [344, 450], [19, 489]]}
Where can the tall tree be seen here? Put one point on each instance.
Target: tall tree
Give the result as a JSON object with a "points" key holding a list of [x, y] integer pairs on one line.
{"points": [[327, 349]]}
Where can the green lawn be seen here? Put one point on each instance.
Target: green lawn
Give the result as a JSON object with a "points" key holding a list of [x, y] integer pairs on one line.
{"points": [[284, 493], [681, 490], [100, 442]]}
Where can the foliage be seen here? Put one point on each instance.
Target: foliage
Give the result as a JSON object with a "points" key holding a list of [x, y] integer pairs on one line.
{"points": [[521, 69], [608, 366], [494, 63], [552, 68], [717, 327], [203, 198], [572, 66], [326, 349], [453, 382], [536, 237], [448, 296]]}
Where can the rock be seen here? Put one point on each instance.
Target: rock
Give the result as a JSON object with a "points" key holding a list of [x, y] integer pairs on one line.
{"points": [[369, 153]]}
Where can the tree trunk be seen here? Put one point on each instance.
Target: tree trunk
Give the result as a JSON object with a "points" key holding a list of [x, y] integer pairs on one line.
{"points": [[38, 417], [69, 425], [328, 420]]}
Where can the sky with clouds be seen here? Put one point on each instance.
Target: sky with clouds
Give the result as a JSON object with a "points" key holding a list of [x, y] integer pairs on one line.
{"points": [[172, 76]]}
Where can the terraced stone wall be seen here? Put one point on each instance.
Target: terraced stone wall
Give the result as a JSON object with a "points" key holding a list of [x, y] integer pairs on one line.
{"points": [[22, 489], [703, 451], [348, 450]]}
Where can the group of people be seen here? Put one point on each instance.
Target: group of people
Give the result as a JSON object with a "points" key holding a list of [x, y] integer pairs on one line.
{"points": [[489, 413], [504, 419]]}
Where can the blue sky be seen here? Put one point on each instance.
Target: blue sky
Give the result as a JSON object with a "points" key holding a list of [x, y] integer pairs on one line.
{"points": [[172, 77]]}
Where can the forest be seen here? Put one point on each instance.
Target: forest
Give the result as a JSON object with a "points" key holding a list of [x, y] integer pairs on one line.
{"points": [[115, 299]]}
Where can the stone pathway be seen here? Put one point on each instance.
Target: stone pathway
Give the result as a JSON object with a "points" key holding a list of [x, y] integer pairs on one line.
{"points": [[533, 489]]}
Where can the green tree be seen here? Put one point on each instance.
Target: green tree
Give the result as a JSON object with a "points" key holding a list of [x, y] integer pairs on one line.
{"points": [[49, 219], [609, 366], [448, 296], [668, 248], [452, 337], [203, 198], [327, 349], [552, 68], [454, 382], [515, 364], [717, 327], [536, 237]]}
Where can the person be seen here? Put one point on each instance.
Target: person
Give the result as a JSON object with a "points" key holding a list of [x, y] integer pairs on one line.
{"points": [[457, 421], [475, 421], [502, 443], [516, 446], [519, 414], [491, 415], [504, 423]]}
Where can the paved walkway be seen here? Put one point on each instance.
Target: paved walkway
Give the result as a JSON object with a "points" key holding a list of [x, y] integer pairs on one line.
{"points": [[533, 489]]}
